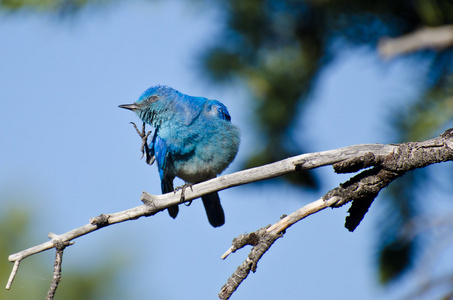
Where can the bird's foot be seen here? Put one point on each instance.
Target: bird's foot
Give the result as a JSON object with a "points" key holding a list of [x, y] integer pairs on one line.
{"points": [[144, 147], [183, 191]]}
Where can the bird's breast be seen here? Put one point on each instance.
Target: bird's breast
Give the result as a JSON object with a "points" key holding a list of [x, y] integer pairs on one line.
{"points": [[211, 151]]}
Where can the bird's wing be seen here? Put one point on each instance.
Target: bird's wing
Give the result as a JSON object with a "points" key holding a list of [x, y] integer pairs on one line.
{"points": [[151, 157], [217, 108], [160, 151]]}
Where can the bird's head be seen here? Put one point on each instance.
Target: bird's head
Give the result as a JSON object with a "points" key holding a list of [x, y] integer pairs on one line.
{"points": [[151, 102]]}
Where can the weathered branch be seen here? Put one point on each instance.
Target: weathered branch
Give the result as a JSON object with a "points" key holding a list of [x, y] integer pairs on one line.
{"points": [[156, 203], [262, 240], [424, 38], [59, 247], [353, 158], [362, 189]]}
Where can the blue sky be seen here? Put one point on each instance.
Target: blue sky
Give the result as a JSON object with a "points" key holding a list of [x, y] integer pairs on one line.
{"points": [[69, 153]]}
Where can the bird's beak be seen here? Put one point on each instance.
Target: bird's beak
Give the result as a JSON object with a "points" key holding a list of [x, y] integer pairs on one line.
{"points": [[132, 106]]}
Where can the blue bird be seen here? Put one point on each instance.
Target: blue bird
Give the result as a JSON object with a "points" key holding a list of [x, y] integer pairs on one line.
{"points": [[193, 140]]}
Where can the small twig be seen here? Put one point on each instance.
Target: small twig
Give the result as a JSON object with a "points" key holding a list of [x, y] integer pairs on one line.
{"points": [[286, 222], [262, 240], [13, 274], [56, 270]]}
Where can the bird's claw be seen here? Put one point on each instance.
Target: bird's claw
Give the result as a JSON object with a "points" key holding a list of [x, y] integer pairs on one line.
{"points": [[144, 135], [183, 191]]}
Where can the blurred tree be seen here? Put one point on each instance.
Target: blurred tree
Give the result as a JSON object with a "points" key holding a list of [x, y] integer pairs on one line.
{"points": [[278, 47], [59, 7]]}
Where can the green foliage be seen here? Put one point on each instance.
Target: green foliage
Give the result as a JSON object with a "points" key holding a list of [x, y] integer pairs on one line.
{"points": [[35, 4], [395, 258], [61, 7]]}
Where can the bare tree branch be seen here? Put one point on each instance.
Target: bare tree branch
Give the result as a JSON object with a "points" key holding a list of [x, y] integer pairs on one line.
{"points": [[362, 188], [13, 274], [424, 38], [56, 275], [59, 247], [156, 203], [384, 159]]}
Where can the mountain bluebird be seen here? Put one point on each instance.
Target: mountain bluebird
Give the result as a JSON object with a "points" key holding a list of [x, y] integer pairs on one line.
{"points": [[193, 140]]}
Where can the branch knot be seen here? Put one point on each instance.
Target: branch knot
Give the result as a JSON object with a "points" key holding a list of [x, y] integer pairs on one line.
{"points": [[100, 221]]}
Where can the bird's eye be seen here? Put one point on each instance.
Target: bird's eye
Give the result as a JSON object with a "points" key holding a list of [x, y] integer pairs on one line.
{"points": [[152, 99]]}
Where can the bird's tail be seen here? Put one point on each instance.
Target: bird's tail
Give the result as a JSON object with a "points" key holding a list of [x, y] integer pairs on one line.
{"points": [[167, 187], [173, 211], [214, 209]]}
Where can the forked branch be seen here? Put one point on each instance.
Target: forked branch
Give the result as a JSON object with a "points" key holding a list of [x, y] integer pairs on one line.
{"points": [[362, 189]]}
